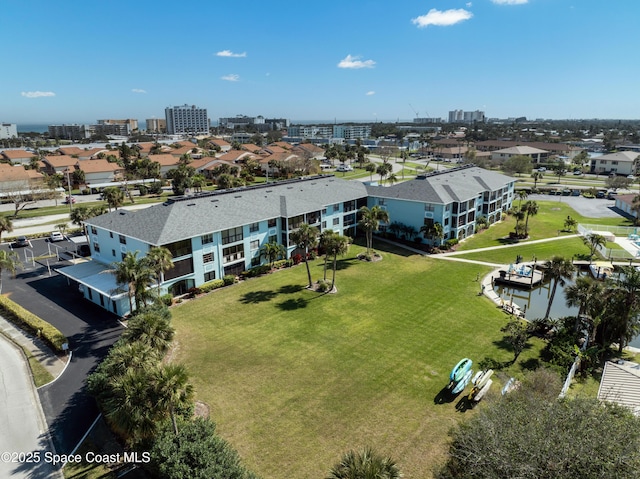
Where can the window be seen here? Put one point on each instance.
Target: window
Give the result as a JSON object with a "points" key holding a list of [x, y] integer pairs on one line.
{"points": [[381, 201], [113, 253], [429, 207], [324, 225], [210, 276], [254, 245], [179, 248], [96, 247], [110, 234], [180, 268], [232, 235], [336, 208], [94, 231], [123, 239], [446, 221], [295, 222], [349, 206], [336, 221], [207, 257], [206, 239], [273, 239], [272, 223], [233, 253], [253, 227], [255, 261], [349, 220], [122, 255]]}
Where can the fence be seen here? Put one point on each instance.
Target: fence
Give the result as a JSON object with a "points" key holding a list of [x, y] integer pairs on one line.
{"points": [[611, 254]]}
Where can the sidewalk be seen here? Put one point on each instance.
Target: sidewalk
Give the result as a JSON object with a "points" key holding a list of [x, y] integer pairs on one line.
{"points": [[47, 358]]}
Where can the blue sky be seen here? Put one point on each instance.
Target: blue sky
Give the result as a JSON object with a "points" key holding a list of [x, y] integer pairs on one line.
{"points": [[73, 61]]}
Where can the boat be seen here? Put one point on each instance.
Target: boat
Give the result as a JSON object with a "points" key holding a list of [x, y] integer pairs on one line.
{"points": [[460, 369], [482, 392], [601, 270], [479, 381], [460, 385]]}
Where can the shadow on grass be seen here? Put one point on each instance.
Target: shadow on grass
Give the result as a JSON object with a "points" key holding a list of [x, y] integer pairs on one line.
{"points": [[255, 297], [293, 304], [444, 396], [490, 363], [530, 364], [464, 404], [290, 289]]}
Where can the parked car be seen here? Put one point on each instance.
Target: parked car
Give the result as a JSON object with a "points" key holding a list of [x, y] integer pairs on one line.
{"points": [[70, 199], [577, 172], [631, 177], [344, 168], [611, 195], [22, 241], [56, 236], [542, 169], [601, 194]]}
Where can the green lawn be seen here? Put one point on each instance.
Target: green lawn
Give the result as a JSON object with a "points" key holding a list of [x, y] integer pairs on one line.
{"points": [[295, 378], [567, 247], [549, 222]]}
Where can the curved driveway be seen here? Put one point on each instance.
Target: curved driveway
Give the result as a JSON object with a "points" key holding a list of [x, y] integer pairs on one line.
{"points": [[23, 425]]}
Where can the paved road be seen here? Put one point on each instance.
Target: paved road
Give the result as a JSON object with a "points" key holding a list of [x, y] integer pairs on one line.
{"points": [[91, 331], [22, 423]]}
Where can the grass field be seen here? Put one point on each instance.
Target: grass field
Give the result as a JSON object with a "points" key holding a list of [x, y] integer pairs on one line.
{"points": [[567, 247], [295, 378]]}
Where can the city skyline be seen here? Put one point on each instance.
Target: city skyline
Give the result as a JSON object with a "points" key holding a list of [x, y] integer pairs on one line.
{"points": [[366, 61]]}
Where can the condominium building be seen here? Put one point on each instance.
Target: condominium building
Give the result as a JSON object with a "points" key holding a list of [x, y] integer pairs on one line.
{"points": [[70, 132], [156, 125], [186, 119], [8, 130], [459, 116]]}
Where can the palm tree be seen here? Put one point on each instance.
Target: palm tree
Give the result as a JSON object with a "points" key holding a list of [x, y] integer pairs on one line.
{"points": [[306, 238], [582, 294], [9, 261], [365, 464], [558, 270], [80, 214], [150, 328], [272, 251], [6, 226], [370, 221], [628, 287], [594, 241], [371, 168], [135, 274], [522, 195], [160, 260], [392, 178], [435, 231], [519, 216], [324, 242], [113, 196], [570, 224], [531, 209], [338, 245], [173, 389], [537, 176]]}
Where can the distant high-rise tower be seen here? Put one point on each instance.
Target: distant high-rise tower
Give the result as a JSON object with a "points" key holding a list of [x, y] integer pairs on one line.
{"points": [[459, 116], [186, 119]]}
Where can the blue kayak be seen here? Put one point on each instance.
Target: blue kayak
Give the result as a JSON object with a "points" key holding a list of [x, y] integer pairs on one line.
{"points": [[460, 369], [460, 385]]}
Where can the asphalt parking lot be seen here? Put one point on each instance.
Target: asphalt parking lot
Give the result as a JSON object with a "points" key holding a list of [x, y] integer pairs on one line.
{"points": [[589, 207], [91, 331]]}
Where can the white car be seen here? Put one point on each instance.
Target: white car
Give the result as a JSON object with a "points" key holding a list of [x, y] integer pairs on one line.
{"points": [[56, 236], [344, 168]]}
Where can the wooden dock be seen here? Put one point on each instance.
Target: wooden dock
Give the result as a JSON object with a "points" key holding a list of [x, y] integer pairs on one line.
{"points": [[520, 281]]}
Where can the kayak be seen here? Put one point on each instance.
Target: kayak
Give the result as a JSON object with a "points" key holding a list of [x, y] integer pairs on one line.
{"points": [[460, 385]]}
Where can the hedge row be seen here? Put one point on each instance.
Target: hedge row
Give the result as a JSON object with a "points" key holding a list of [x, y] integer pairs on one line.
{"points": [[31, 323]]}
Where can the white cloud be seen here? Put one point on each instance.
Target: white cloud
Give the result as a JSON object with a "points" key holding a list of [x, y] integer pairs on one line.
{"points": [[231, 77], [355, 62], [37, 94], [369, 93], [468, 4], [510, 2], [442, 18], [230, 54], [138, 90]]}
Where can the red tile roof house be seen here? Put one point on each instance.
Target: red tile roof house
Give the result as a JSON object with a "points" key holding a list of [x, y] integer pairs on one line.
{"points": [[309, 150], [22, 157], [167, 162], [276, 157], [186, 150], [251, 147], [236, 156], [16, 178], [210, 170], [58, 164], [71, 151], [99, 171], [220, 143]]}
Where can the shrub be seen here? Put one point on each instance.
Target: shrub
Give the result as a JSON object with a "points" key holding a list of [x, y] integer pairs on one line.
{"points": [[257, 271], [167, 299], [193, 292], [450, 243], [155, 188], [228, 279], [323, 285], [297, 258], [283, 263], [211, 285], [143, 190], [32, 323]]}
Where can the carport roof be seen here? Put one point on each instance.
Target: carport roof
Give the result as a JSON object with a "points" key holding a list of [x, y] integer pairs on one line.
{"points": [[94, 275]]}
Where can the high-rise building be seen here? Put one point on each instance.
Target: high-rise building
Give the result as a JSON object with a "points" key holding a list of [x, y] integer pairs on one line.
{"points": [[8, 130], [186, 119], [459, 116], [70, 132], [156, 125]]}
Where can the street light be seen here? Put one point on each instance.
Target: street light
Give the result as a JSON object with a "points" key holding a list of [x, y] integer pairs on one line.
{"points": [[69, 189]]}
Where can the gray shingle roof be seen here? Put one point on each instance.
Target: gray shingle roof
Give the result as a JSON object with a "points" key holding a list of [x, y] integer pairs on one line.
{"points": [[208, 213], [620, 383], [455, 185]]}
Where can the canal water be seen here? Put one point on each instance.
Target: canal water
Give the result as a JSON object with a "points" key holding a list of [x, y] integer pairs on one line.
{"points": [[534, 302]]}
